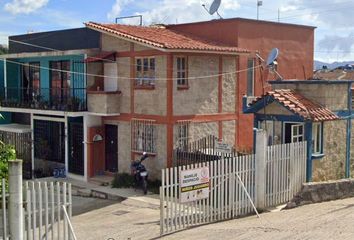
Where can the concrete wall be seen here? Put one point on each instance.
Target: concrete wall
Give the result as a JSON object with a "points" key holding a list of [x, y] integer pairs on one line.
{"points": [[276, 109], [124, 83], [109, 43], [332, 96], [332, 165], [202, 95], [200, 130], [228, 130], [124, 147], [153, 101]]}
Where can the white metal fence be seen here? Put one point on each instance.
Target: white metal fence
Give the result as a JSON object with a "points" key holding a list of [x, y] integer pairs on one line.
{"points": [[271, 177], [227, 197], [35, 210], [285, 172], [46, 205]]}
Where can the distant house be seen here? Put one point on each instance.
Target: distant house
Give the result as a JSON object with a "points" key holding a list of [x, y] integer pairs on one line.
{"points": [[316, 111], [93, 99]]}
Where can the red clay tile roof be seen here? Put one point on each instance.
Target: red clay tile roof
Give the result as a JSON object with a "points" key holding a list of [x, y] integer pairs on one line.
{"points": [[161, 37], [300, 105]]}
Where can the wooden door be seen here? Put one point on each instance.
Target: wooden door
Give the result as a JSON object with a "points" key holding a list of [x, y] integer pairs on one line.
{"points": [[111, 147]]}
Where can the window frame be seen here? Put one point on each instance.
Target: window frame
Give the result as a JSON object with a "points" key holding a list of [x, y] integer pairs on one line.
{"points": [[140, 72], [182, 141], [144, 133], [317, 131], [297, 136], [182, 82]]}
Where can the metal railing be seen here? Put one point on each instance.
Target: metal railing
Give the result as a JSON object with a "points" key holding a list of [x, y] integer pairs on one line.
{"points": [[57, 99]]}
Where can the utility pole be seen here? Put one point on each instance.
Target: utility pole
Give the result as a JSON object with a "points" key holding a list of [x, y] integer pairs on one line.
{"points": [[259, 3]]}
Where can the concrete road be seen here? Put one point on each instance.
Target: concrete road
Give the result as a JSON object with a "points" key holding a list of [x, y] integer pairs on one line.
{"points": [[323, 221], [135, 220]]}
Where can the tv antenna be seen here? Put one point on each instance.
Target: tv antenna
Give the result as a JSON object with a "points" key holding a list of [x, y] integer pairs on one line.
{"points": [[214, 8], [271, 62]]}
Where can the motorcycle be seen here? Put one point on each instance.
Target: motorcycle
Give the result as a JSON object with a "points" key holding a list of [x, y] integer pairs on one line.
{"points": [[140, 173]]}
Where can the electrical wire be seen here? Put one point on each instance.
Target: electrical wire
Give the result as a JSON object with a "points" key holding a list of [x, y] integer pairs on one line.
{"points": [[129, 78]]}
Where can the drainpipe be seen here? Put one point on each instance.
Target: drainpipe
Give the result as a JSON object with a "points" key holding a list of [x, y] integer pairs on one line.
{"points": [[349, 131], [308, 138]]}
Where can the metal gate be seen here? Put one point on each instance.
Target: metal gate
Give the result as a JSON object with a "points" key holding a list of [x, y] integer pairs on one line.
{"points": [[76, 159], [229, 178], [269, 178], [47, 211]]}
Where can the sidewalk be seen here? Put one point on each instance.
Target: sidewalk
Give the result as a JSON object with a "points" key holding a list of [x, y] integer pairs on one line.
{"points": [[95, 190]]}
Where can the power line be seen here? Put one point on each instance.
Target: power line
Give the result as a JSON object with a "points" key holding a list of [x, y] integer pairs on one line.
{"points": [[128, 78]]}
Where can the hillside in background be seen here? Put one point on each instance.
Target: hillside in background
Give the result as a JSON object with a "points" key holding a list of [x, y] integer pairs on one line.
{"points": [[319, 64]]}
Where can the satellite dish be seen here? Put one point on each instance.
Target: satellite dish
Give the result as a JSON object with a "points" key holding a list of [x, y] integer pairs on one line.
{"points": [[273, 55], [214, 7]]}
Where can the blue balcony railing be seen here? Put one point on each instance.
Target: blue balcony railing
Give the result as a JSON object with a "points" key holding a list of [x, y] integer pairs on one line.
{"points": [[57, 99]]}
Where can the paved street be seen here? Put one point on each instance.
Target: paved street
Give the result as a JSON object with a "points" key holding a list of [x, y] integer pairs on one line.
{"points": [[138, 220]]}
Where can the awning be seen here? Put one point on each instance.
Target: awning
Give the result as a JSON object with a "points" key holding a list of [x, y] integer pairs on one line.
{"points": [[102, 57]]}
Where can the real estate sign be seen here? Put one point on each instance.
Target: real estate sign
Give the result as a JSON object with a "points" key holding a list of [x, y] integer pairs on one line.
{"points": [[194, 184]]}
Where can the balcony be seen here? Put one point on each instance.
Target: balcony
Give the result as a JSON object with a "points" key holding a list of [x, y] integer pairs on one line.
{"points": [[103, 102], [55, 99]]}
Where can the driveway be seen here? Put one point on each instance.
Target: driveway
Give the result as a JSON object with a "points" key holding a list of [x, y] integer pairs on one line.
{"points": [[132, 219]]}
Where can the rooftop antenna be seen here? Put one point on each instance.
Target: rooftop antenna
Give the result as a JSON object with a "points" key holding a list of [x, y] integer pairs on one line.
{"points": [[271, 62], [214, 8]]}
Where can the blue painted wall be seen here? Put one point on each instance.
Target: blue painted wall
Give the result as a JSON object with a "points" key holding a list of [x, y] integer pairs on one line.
{"points": [[77, 80]]}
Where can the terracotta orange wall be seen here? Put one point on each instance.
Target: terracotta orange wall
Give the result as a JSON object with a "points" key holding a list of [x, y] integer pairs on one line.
{"points": [[296, 45], [96, 155]]}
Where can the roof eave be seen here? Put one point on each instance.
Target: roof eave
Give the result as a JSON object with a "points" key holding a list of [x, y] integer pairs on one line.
{"points": [[163, 49]]}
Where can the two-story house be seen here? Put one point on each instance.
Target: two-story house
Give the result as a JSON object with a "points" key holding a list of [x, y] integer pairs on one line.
{"points": [[95, 98]]}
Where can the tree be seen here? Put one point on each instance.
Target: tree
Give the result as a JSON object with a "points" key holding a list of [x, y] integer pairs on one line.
{"points": [[3, 49], [7, 152]]}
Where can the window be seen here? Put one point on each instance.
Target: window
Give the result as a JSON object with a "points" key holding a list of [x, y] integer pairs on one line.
{"points": [[59, 79], [250, 77], [294, 132], [182, 72], [143, 136], [145, 71], [30, 79], [316, 138], [182, 135]]}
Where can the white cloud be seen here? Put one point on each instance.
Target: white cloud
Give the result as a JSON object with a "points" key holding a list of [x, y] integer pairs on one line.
{"points": [[117, 8], [181, 11], [24, 6]]}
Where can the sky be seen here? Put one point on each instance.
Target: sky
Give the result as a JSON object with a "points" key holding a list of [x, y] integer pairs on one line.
{"points": [[334, 36]]}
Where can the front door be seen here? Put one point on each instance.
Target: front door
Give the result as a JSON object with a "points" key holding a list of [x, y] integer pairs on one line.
{"points": [[111, 148], [76, 150]]}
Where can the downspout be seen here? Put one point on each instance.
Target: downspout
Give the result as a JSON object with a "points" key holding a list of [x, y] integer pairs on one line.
{"points": [[349, 131], [308, 137]]}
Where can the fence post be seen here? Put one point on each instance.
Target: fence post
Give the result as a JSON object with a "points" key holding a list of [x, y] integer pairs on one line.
{"points": [[15, 200], [261, 156]]}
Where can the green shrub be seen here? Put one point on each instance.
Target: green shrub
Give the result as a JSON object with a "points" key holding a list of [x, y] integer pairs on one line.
{"points": [[7, 152], [125, 180]]}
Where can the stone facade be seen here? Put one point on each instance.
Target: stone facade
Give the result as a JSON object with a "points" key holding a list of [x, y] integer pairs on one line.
{"points": [[332, 96], [153, 101], [124, 83], [202, 92], [275, 108], [332, 165], [229, 84], [110, 43], [102, 102]]}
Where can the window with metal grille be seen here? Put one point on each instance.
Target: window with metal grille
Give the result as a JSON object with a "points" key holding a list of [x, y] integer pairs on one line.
{"points": [[182, 71], [145, 71], [182, 129], [144, 136], [49, 138]]}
